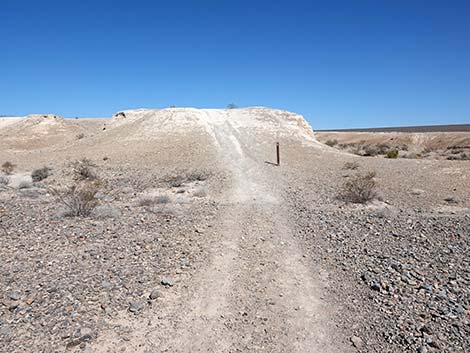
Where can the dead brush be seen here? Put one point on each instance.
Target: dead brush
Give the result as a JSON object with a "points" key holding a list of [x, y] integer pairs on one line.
{"points": [[79, 199], [180, 177], [40, 174], [3, 212], [4, 180], [83, 169], [351, 166], [360, 188], [8, 168], [151, 200]]}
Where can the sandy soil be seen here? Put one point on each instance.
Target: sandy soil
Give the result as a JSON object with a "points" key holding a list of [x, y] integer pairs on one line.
{"points": [[272, 266]]}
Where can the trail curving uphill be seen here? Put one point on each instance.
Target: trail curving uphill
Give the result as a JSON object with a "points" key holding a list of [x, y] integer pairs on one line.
{"points": [[257, 292]]}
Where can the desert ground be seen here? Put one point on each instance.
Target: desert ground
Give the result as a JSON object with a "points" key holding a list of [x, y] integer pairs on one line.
{"points": [[189, 238]]}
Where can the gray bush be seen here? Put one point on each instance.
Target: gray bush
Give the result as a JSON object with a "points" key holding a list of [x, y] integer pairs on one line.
{"points": [[351, 165], [83, 169], [151, 200], [40, 174], [4, 180], [181, 177], [78, 199]]}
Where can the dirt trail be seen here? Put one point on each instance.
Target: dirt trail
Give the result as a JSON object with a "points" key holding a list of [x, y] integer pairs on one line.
{"points": [[257, 292]]}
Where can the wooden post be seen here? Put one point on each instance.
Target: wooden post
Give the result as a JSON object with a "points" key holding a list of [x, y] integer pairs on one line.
{"points": [[277, 154]]}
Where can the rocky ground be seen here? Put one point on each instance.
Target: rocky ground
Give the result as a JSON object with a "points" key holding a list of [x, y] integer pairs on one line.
{"points": [[399, 268], [62, 277], [222, 251]]}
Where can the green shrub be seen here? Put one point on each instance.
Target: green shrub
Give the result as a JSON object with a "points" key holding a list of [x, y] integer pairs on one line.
{"points": [[393, 153]]}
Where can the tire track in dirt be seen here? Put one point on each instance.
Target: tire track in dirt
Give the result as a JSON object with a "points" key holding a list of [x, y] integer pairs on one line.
{"points": [[257, 292]]}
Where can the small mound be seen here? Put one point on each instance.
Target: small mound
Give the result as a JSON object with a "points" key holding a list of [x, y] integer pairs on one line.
{"points": [[37, 131]]}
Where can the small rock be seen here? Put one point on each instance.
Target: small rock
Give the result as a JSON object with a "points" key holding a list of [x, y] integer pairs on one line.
{"points": [[357, 342], [14, 295], [167, 282], [136, 307], [451, 199], [106, 285], [154, 294], [417, 192], [85, 331], [376, 286], [73, 343], [434, 344]]}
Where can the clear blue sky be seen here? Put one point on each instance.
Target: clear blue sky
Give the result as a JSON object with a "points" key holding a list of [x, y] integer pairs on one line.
{"points": [[351, 63]]}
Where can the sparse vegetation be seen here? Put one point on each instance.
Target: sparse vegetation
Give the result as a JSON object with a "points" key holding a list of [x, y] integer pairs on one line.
{"points": [[351, 165], [393, 153], [360, 188], [78, 199], [180, 177], [459, 157], [8, 168], [4, 180], [80, 136], [426, 150], [3, 212], [232, 106], [83, 169], [151, 200], [331, 143], [40, 174]]}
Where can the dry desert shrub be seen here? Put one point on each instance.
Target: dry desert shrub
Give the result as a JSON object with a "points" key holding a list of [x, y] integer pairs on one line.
{"points": [[331, 143], [8, 168], [3, 212], [78, 199], [460, 157], [351, 165], [40, 174], [360, 188], [83, 169], [151, 200], [180, 177], [4, 180]]}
